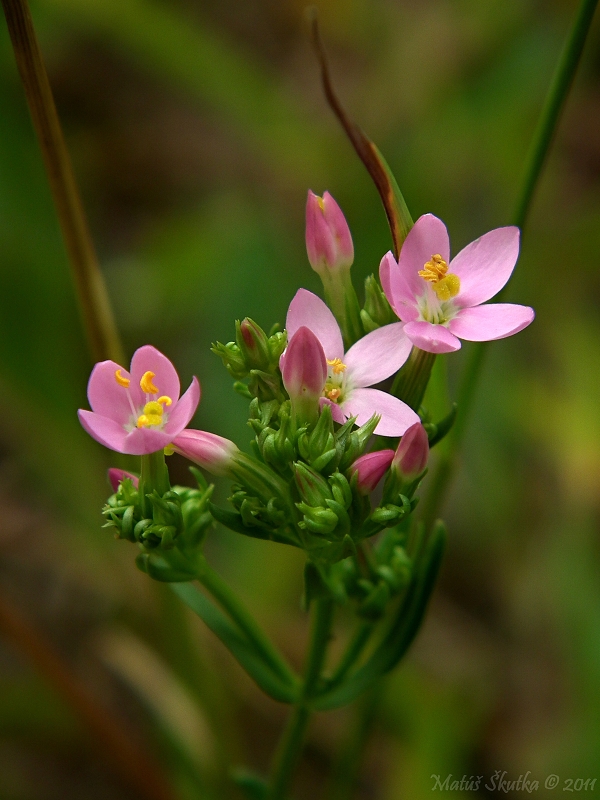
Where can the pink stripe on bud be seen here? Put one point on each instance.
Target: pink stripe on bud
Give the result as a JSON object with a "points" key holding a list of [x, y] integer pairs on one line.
{"points": [[413, 451], [304, 371], [115, 476], [328, 239], [370, 469], [211, 452]]}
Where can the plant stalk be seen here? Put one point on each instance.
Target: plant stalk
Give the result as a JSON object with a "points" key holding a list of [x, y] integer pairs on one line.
{"points": [[290, 746], [94, 305]]}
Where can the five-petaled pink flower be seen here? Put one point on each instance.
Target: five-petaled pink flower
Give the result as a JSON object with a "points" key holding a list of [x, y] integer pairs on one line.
{"points": [[440, 300], [138, 412], [372, 359]]}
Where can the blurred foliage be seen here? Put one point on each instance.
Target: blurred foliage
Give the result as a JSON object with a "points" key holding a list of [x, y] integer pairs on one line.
{"points": [[196, 129]]}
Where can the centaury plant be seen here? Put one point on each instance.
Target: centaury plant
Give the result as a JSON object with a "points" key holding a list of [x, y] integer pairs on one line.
{"points": [[340, 442]]}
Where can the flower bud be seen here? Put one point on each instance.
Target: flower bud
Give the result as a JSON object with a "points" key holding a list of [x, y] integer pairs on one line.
{"points": [[211, 452], [411, 456], [253, 344], [328, 240], [370, 469], [115, 476], [304, 372]]}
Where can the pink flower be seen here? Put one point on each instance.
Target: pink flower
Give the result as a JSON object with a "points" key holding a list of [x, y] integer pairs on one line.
{"points": [[440, 300], [211, 452], [412, 453], [115, 476], [328, 239], [372, 359], [370, 469], [140, 411]]}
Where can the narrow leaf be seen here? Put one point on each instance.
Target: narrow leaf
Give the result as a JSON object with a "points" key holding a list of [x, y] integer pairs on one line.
{"points": [[399, 218]]}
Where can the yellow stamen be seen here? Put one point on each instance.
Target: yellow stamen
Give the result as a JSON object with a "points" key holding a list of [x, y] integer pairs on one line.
{"points": [[164, 399], [121, 380], [445, 284], [333, 394], [152, 415], [321, 203], [146, 384], [337, 365], [447, 287], [435, 269]]}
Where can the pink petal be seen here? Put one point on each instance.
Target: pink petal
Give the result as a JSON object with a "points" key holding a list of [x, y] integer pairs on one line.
{"points": [[427, 238], [308, 310], [106, 397], [377, 355], [397, 290], [396, 416], [142, 441], [166, 380], [336, 412], [430, 337], [104, 430], [485, 265], [184, 409], [493, 321]]}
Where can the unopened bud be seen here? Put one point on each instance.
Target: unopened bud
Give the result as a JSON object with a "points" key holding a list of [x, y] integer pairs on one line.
{"points": [[211, 452], [253, 344], [370, 469], [115, 476], [304, 372], [328, 239], [411, 456]]}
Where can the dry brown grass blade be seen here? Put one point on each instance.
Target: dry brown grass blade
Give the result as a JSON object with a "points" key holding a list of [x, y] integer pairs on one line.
{"points": [[93, 299]]}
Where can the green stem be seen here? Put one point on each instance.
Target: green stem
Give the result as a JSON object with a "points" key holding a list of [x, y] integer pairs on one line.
{"points": [[343, 778], [223, 594], [341, 298], [411, 381], [94, 304], [290, 746], [353, 650], [542, 140]]}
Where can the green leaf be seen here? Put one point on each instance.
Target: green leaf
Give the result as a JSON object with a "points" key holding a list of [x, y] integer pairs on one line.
{"points": [[236, 643], [398, 215]]}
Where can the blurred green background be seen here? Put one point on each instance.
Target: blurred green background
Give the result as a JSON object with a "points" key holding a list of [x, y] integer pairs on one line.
{"points": [[196, 129]]}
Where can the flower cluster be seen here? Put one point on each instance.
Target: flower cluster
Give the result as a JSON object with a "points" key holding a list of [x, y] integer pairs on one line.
{"points": [[326, 471]]}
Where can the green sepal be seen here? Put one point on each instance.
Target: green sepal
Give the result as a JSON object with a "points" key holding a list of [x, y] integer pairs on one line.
{"points": [[234, 521], [377, 310], [375, 604]]}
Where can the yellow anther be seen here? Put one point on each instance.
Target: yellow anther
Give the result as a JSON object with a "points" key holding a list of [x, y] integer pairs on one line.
{"points": [[333, 394], [434, 270], [321, 203], [146, 384], [152, 415], [121, 380], [153, 408], [165, 400], [447, 287], [337, 365]]}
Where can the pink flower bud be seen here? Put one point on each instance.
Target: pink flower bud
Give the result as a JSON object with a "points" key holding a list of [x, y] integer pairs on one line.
{"points": [[370, 469], [211, 452], [413, 451], [304, 367], [115, 476], [328, 240]]}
